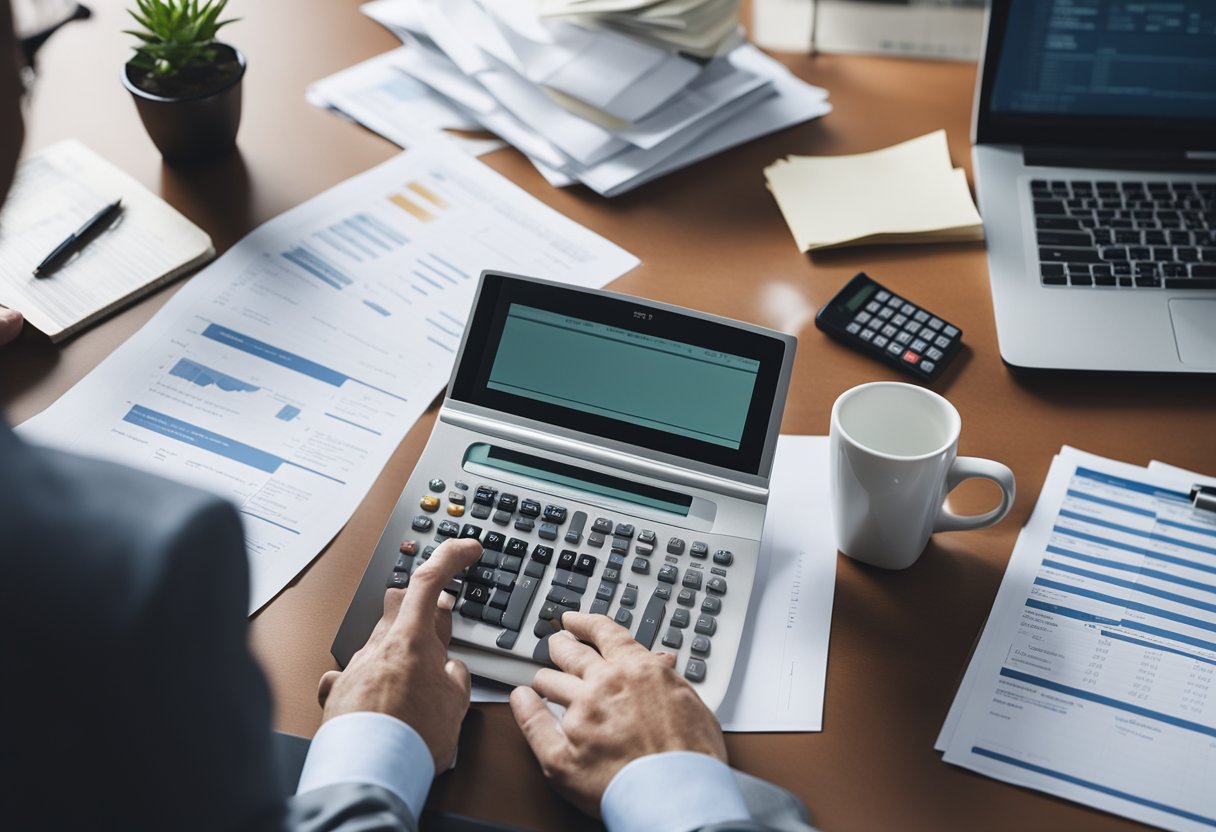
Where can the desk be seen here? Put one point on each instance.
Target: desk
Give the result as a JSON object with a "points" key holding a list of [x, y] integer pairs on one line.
{"points": [[709, 237]]}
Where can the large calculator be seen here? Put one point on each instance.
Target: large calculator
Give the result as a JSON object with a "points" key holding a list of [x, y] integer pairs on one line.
{"points": [[612, 456]]}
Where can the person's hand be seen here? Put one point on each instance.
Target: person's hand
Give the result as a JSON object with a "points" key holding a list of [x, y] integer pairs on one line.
{"points": [[404, 670], [622, 702], [10, 325]]}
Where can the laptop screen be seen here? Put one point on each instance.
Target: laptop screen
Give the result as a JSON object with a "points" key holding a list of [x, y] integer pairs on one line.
{"points": [[1135, 73]]}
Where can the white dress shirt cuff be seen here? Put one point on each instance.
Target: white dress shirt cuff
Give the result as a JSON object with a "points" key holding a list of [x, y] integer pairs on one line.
{"points": [[371, 748], [642, 795]]}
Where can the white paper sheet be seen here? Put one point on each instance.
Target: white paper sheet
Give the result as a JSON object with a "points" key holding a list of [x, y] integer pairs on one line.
{"points": [[781, 669], [1094, 677], [284, 375]]}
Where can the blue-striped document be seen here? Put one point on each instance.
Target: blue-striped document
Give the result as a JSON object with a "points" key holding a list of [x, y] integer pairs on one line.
{"points": [[1095, 676]]}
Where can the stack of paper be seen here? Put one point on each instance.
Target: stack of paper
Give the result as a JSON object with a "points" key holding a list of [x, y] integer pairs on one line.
{"points": [[1094, 677], [585, 105], [909, 193], [698, 27]]}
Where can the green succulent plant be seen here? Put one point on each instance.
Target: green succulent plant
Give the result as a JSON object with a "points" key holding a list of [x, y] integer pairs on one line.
{"points": [[176, 35]]}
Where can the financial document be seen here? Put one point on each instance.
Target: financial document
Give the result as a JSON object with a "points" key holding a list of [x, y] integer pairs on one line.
{"points": [[1095, 677], [285, 374]]}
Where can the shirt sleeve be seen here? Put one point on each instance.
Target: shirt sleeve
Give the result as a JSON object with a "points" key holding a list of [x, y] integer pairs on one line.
{"points": [[639, 797], [374, 748]]}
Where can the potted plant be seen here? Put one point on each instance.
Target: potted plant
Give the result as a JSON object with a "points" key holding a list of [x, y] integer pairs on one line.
{"points": [[186, 84]]}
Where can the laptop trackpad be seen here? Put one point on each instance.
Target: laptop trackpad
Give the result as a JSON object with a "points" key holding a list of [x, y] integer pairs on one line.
{"points": [[1195, 329]]}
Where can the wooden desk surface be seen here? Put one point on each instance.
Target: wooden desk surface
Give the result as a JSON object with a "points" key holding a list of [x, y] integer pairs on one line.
{"points": [[709, 237]]}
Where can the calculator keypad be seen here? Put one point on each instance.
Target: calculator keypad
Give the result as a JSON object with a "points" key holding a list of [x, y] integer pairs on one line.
{"points": [[910, 335], [526, 578]]}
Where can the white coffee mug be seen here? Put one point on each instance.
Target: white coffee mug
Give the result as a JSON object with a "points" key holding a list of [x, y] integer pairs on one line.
{"points": [[894, 458]]}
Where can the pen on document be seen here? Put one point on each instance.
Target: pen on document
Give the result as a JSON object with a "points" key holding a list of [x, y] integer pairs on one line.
{"points": [[75, 242]]}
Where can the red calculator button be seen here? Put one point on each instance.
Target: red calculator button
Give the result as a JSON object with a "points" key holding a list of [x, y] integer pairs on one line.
{"points": [[911, 357]]}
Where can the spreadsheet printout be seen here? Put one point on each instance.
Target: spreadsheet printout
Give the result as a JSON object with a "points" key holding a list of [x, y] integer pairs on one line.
{"points": [[1095, 677], [284, 375]]}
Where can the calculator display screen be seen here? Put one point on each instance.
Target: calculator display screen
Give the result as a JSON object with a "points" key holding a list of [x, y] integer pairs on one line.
{"points": [[622, 374], [854, 303], [618, 368]]}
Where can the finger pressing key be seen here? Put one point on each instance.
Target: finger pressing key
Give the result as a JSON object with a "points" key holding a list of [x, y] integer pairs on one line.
{"points": [[605, 634], [571, 655], [421, 601]]}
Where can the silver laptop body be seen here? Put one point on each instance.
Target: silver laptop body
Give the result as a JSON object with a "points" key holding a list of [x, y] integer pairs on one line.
{"points": [[1109, 93], [612, 455]]}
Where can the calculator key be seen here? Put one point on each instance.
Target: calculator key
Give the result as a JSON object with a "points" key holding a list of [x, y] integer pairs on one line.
{"points": [[695, 670], [699, 549], [595, 539], [873, 306], [935, 323], [899, 320], [620, 544], [502, 518], [910, 357], [574, 532], [534, 569], [408, 547], [524, 524], [885, 313], [673, 638], [521, 599], [623, 530], [455, 510], [555, 514], [652, 620], [398, 580], [700, 645], [547, 531], [643, 549], [918, 345], [927, 366], [668, 573], [692, 579], [942, 342], [516, 548], [437, 485], [529, 508], [724, 557], [508, 502], [921, 316], [602, 525], [456, 497], [712, 605], [895, 302], [889, 330], [882, 295], [716, 585], [862, 317], [585, 565], [907, 309], [629, 597], [706, 625], [567, 559], [494, 541], [679, 618], [611, 574], [686, 598], [675, 546], [641, 566], [461, 485], [853, 328], [623, 617], [606, 591], [895, 348], [866, 334], [903, 338], [510, 563], [949, 331], [912, 327], [542, 554], [422, 523], [647, 536], [448, 528], [881, 341], [484, 495], [933, 353], [429, 502]]}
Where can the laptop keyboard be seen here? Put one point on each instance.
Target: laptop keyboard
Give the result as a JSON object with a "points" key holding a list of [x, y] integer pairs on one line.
{"points": [[1126, 234]]}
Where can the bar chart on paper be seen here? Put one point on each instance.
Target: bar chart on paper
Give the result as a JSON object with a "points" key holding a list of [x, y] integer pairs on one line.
{"points": [[285, 374], [1100, 683]]}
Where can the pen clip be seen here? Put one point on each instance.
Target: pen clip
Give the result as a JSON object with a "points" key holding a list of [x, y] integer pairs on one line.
{"points": [[1204, 497]]}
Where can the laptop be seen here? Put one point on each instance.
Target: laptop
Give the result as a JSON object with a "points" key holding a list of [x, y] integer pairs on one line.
{"points": [[612, 456], [1095, 167]]}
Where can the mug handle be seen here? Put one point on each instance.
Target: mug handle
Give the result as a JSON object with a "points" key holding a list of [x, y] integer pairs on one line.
{"points": [[964, 468]]}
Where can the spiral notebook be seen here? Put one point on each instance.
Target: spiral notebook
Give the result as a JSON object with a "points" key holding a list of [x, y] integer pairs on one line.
{"points": [[55, 192]]}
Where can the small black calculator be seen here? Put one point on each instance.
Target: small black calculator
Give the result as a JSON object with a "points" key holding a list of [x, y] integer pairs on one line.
{"points": [[874, 320]]}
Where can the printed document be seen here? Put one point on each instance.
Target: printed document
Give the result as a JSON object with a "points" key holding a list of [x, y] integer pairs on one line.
{"points": [[1095, 677], [284, 375]]}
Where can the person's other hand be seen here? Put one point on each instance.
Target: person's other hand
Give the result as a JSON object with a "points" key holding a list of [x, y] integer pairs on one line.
{"points": [[10, 325], [622, 702], [404, 670]]}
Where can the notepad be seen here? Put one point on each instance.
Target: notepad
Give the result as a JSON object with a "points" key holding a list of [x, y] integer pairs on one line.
{"points": [[908, 193], [54, 193]]}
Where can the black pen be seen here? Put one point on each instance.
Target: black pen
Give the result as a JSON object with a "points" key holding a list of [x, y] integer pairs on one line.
{"points": [[75, 242]]}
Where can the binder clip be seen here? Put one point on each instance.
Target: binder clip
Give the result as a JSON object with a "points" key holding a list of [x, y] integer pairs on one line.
{"points": [[1204, 497]]}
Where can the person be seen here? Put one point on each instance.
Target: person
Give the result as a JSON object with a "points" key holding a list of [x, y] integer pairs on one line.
{"points": [[131, 700]]}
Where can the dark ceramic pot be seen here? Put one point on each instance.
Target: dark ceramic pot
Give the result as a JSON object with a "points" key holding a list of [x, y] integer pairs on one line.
{"points": [[192, 128]]}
